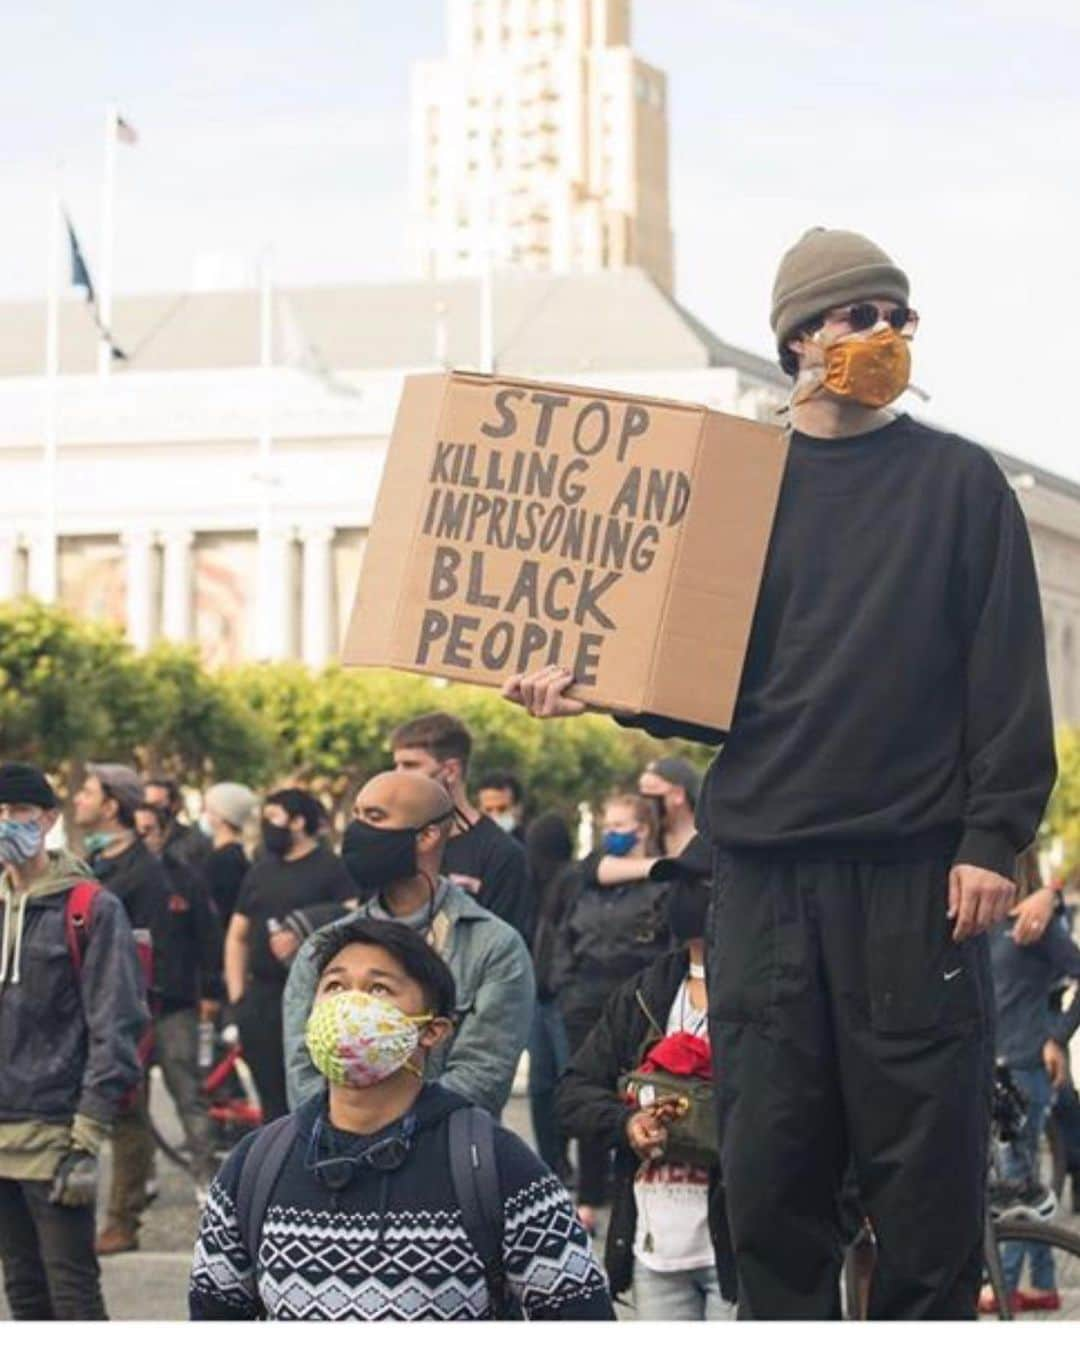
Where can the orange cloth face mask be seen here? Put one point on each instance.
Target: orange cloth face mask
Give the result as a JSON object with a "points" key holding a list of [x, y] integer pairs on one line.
{"points": [[873, 370]]}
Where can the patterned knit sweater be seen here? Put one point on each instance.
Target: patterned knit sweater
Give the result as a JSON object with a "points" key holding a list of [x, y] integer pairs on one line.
{"points": [[391, 1245]]}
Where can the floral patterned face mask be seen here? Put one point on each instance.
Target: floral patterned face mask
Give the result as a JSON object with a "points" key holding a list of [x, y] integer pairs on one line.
{"points": [[356, 1039]]}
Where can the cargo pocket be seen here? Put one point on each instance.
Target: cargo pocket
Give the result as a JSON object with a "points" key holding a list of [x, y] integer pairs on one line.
{"points": [[919, 980], [742, 944]]}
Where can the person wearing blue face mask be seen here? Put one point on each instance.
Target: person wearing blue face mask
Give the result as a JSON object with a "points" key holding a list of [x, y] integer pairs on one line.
{"points": [[607, 934], [71, 1014]]}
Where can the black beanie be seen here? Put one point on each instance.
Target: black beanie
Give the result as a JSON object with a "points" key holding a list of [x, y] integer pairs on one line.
{"points": [[24, 784]]}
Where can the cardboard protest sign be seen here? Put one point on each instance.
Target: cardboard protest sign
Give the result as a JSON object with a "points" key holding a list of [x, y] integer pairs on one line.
{"points": [[521, 524]]}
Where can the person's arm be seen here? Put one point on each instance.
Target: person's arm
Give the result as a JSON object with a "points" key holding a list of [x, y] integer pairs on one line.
{"points": [[483, 1056], [547, 1256], [611, 871], [587, 1103], [222, 1285], [237, 944], [1009, 741], [665, 728], [1064, 957], [116, 1016], [302, 1079], [210, 939], [1033, 915]]}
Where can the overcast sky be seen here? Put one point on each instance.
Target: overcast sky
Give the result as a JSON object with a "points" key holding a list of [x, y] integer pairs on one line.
{"points": [[949, 130]]}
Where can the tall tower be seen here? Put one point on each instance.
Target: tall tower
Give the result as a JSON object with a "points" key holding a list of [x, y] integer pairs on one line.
{"points": [[540, 141]]}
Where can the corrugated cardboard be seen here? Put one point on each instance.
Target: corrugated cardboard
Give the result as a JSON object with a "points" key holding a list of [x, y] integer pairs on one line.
{"points": [[521, 524]]}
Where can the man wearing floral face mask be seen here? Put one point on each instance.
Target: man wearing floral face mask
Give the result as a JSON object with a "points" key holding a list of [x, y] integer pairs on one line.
{"points": [[890, 754], [394, 850], [361, 1215]]}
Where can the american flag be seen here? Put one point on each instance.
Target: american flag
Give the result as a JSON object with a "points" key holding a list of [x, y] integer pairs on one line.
{"points": [[125, 131]]}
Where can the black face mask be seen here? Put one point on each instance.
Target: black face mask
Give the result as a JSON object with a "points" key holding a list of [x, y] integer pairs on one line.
{"points": [[277, 838], [376, 856], [688, 908]]}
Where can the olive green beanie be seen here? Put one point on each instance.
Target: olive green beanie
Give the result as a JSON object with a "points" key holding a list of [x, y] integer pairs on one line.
{"points": [[827, 268]]}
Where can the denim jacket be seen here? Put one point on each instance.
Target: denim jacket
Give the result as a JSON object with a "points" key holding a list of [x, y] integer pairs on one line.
{"points": [[496, 991]]}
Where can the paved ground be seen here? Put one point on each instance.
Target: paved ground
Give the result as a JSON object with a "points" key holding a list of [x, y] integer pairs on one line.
{"points": [[152, 1283]]}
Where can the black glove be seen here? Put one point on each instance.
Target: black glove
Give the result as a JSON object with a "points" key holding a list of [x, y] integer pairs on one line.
{"points": [[76, 1179]]}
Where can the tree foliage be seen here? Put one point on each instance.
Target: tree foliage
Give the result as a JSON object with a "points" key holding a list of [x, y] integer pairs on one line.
{"points": [[1063, 813], [72, 691]]}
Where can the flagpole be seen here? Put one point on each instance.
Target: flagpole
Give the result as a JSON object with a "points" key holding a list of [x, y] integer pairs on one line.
{"points": [[105, 274], [268, 616], [45, 587]]}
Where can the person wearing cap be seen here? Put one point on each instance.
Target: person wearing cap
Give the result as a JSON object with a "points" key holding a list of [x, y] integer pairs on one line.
{"points": [[68, 1056], [890, 754], [227, 809], [605, 934], [105, 809], [667, 1240]]}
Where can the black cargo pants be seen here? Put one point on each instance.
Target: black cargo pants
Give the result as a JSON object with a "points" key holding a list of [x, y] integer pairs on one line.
{"points": [[845, 1022]]}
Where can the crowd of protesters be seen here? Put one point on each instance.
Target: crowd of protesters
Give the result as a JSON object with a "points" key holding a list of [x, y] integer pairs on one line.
{"points": [[830, 914]]}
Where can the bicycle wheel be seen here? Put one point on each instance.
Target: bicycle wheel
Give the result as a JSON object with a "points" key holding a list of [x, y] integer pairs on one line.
{"points": [[1046, 1241]]}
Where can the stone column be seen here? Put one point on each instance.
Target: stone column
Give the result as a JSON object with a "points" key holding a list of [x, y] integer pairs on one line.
{"points": [[139, 577], [317, 595], [273, 599], [43, 567], [9, 556], [177, 597]]}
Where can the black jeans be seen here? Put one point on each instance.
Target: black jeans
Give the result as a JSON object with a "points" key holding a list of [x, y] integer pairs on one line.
{"points": [[262, 1037], [846, 1023], [593, 1154], [47, 1251]]}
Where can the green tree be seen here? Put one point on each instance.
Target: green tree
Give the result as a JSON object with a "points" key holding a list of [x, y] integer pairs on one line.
{"points": [[68, 689], [1063, 813], [201, 729]]}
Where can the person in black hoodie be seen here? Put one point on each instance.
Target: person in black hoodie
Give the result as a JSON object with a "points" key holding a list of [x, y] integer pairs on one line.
{"points": [[890, 754], [605, 935], [105, 808], [362, 1220], [676, 1256]]}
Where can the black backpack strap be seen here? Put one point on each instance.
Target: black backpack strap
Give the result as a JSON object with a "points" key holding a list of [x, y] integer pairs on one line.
{"points": [[258, 1177], [476, 1186]]}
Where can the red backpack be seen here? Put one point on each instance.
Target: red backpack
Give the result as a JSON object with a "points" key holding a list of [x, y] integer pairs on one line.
{"points": [[78, 920]]}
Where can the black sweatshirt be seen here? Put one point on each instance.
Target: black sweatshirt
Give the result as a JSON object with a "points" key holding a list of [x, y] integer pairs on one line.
{"points": [[894, 701]]}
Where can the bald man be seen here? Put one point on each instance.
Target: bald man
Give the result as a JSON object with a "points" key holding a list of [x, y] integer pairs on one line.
{"points": [[395, 843]]}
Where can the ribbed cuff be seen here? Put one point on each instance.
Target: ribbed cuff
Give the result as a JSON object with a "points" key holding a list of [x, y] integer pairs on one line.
{"points": [[985, 848]]}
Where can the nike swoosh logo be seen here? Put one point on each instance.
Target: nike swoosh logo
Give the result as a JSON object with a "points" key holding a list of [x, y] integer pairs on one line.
{"points": [[952, 974]]}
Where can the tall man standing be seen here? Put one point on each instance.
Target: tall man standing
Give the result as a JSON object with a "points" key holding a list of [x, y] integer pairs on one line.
{"points": [[890, 754]]}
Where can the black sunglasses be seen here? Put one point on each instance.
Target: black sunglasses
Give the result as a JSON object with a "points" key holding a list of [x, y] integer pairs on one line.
{"points": [[387, 1155], [866, 315]]}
